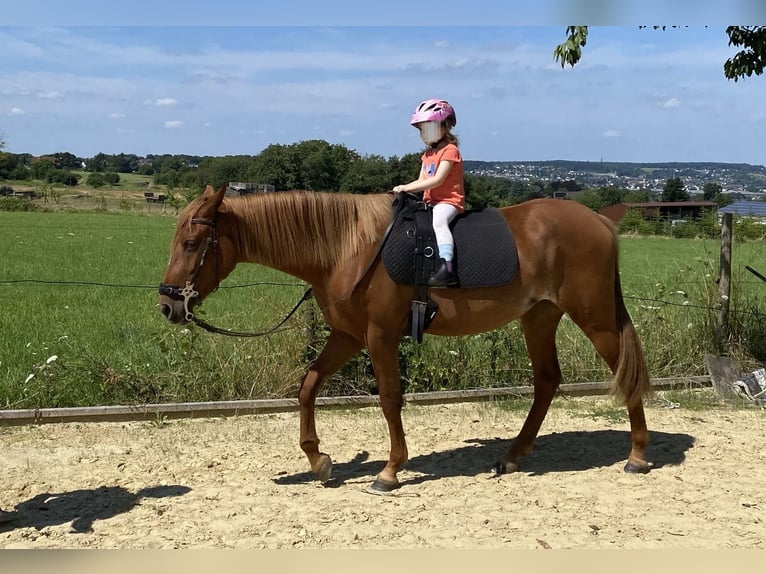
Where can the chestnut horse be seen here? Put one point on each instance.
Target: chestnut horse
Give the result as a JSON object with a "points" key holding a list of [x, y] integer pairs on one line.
{"points": [[567, 264]]}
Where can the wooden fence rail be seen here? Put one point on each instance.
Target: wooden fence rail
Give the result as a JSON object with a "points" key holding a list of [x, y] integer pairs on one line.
{"points": [[263, 406]]}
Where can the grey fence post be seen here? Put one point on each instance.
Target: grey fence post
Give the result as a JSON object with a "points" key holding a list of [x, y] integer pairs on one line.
{"points": [[724, 286]]}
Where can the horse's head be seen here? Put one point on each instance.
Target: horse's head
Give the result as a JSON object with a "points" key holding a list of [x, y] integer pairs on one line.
{"points": [[201, 255]]}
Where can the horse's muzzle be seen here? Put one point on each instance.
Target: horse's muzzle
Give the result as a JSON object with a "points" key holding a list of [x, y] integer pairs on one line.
{"points": [[173, 311], [176, 304]]}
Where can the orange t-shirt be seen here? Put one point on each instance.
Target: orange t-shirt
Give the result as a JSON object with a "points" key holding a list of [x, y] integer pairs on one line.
{"points": [[451, 190]]}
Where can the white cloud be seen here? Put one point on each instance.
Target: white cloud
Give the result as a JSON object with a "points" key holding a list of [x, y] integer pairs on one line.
{"points": [[17, 112], [173, 124], [166, 102], [672, 103], [50, 95], [116, 115], [612, 134]]}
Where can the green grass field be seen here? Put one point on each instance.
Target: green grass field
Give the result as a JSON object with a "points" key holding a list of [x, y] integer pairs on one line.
{"points": [[112, 346]]}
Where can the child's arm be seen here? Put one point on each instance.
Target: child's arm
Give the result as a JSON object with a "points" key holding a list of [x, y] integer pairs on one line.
{"points": [[429, 182]]}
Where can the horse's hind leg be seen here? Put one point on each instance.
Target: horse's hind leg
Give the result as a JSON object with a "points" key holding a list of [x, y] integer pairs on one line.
{"points": [[337, 351], [540, 324], [607, 341]]}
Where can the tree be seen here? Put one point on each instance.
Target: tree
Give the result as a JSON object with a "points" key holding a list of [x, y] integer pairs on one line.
{"points": [[276, 165], [751, 59], [42, 167], [369, 174], [66, 160], [61, 176], [97, 163], [610, 195], [636, 196], [710, 190], [482, 191], [675, 190], [591, 199], [723, 199], [95, 179], [112, 178]]}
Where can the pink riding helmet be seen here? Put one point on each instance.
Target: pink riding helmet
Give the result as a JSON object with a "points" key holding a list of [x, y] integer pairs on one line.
{"points": [[434, 111]]}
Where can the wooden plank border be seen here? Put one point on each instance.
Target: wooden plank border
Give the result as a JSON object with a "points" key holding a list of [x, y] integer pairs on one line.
{"points": [[263, 406]]}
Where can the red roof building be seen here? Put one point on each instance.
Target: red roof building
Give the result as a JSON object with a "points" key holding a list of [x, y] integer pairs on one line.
{"points": [[670, 210]]}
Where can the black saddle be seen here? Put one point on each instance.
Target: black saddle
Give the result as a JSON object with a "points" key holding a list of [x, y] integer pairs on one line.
{"points": [[485, 252]]}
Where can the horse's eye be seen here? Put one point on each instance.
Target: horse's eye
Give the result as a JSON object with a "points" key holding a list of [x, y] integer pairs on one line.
{"points": [[190, 244]]}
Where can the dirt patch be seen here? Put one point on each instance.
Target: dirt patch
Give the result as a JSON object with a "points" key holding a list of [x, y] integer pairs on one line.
{"points": [[243, 482]]}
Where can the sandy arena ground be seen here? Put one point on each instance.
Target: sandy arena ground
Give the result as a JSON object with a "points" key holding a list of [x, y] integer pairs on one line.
{"points": [[243, 482]]}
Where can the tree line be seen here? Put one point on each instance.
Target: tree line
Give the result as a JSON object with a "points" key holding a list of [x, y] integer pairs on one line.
{"points": [[312, 165]]}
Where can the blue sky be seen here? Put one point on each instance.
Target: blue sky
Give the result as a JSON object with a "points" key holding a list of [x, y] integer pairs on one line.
{"points": [[638, 95]]}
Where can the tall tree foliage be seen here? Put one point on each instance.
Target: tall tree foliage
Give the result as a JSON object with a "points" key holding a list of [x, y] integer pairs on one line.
{"points": [[710, 190], [751, 59], [675, 190]]}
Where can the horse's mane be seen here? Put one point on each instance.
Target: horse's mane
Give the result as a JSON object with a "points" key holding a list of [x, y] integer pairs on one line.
{"points": [[293, 227]]}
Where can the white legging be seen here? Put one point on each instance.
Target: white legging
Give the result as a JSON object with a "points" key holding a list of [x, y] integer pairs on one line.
{"points": [[444, 213]]}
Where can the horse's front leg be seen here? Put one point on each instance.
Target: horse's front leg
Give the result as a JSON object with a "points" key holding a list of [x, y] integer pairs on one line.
{"points": [[337, 351], [385, 362]]}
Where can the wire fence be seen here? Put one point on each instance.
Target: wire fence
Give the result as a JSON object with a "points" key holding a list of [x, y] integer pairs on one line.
{"points": [[653, 300], [131, 286]]}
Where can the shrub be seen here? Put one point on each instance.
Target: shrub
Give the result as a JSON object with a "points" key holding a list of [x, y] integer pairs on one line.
{"points": [[95, 179], [16, 204]]}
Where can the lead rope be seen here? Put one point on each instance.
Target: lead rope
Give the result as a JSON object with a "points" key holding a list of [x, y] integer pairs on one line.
{"points": [[212, 329]]}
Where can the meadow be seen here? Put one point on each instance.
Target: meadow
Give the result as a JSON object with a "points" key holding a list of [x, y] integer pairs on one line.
{"points": [[79, 324]]}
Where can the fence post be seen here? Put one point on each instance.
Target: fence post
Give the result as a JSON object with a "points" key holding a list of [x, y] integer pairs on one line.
{"points": [[724, 286]]}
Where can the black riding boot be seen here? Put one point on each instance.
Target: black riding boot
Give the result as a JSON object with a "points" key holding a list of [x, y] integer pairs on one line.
{"points": [[444, 276]]}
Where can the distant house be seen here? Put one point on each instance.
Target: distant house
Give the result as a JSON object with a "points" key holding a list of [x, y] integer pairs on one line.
{"points": [[670, 210], [245, 188], [756, 209]]}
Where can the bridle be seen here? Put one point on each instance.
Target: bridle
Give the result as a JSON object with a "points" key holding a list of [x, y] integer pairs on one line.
{"points": [[188, 292]]}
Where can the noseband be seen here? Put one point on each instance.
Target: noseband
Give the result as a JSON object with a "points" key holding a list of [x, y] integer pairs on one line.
{"points": [[188, 292]]}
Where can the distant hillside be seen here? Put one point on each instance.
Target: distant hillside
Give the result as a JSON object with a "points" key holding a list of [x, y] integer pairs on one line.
{"points": [[622, 168], [733, 176]]}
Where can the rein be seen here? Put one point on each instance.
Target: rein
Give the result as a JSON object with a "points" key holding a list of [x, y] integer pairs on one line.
{"points": [[188, 292]]}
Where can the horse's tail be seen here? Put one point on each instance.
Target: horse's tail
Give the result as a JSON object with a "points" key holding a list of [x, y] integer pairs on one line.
{"points": [[631, 377]]}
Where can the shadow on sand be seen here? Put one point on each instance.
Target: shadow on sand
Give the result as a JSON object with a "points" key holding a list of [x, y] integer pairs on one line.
{"points": [[81, 507], [556, 452]]}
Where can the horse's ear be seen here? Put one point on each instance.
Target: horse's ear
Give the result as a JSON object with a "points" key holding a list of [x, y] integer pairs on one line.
{"points": [[219, 195], [212, 200]]}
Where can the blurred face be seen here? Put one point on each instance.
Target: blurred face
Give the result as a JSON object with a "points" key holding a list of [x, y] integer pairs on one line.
{"points": [[431, 132]]}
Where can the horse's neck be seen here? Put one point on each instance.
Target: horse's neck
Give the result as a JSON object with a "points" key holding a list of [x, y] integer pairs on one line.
{"points": [[287, 242]]}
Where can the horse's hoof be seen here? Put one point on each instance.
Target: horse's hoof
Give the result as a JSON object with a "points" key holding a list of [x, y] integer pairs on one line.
{"points": [[381, 485], [637, 467], [324, 469], [505, 467]]}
